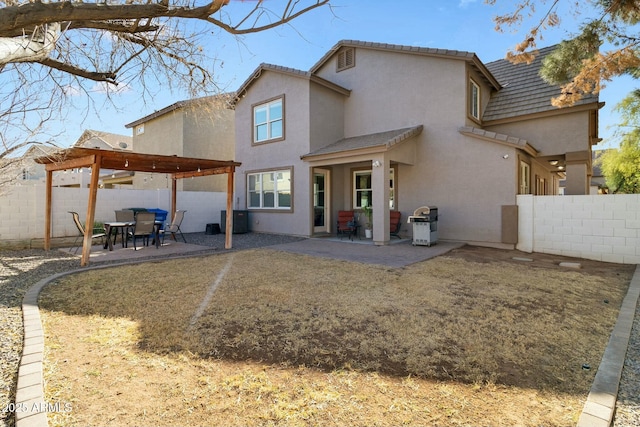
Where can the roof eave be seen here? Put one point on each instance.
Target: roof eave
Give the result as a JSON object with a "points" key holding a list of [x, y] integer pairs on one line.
{"points": [[541, 114], [499, 138]]}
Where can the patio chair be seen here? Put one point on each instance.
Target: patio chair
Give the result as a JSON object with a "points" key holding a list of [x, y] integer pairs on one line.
{"points": [[346, 224], [145, 224], [395, 223], [125, 215], [97, 232], [174, 227]]}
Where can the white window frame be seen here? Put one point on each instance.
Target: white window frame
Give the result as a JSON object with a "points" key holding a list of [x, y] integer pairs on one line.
{"points": [[524, 178], [474, 99], [282, 176], [356, 202], [269, 120]]}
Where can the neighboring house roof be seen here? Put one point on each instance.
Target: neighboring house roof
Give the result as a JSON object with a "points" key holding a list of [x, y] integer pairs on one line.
{"points": [[523, 90], [37, 150], [384, 140], [226, 99], [498, 138], [288, 71], [469, 57], [95, 138]]}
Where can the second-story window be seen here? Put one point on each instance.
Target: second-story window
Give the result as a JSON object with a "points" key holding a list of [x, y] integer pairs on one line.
{"points": [[268, 120], [474, 100]]}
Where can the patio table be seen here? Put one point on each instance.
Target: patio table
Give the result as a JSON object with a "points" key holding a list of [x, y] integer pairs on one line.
{"points": [[123, 227], [118, 228]]}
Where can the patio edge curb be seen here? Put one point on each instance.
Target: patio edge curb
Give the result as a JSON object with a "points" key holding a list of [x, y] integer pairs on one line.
{"points": [[599, 409]]}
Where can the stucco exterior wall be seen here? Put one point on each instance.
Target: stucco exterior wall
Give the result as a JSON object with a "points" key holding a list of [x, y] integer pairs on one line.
{"points": [[546, 133], [326, 117], [468, 179], [187, 132], [283, 154], [208, 134], [162, 135]]}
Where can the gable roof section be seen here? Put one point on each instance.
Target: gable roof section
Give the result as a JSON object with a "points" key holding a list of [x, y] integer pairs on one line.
{"points": [[469, 57], [225, 99], [112, 140], [382, 141], [523, 90], [290, 72]]}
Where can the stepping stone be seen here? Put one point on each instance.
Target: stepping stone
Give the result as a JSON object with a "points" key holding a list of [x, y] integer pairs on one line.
{"points": [[571, 264]]}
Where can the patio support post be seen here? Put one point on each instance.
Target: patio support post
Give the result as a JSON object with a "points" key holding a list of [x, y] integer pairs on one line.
{"points": [[47, 216], [380, 188], [174, 195], [91, 212], [229, 217]]}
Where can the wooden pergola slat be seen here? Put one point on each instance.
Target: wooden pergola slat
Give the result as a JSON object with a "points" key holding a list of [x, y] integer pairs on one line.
{"points": [[96, 159]]}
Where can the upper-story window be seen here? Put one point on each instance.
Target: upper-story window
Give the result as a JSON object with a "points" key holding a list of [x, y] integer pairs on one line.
{"points": [[268, 120], [346, 58], [474, 100]]}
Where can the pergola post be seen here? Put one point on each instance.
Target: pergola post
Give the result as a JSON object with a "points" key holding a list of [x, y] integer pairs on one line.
{"points": [[48, 210], [174, 196], [91, 212], [229, 217]]}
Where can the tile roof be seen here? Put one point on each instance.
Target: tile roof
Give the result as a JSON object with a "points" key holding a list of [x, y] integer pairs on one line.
{"points": [[523, 90], [384, 140]]}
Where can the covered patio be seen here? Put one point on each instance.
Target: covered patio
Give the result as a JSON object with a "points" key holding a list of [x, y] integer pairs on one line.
{"points": [[95, 159]]}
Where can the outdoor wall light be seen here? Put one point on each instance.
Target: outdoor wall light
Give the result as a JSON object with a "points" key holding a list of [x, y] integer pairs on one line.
{"points": [[126, 163], [377, 164]]}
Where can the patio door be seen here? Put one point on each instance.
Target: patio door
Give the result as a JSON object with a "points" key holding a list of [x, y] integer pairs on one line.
{"points": [[321, 208]]}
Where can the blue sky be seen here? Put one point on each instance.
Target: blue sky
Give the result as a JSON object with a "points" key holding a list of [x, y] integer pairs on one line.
{"points": [[449, 24]]}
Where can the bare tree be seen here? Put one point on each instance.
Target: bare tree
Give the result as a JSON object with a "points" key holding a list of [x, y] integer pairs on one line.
{"points": [[50, 50]]}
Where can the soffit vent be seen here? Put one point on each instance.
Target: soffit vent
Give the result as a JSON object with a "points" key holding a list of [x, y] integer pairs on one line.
{"points": [[346, 58]]}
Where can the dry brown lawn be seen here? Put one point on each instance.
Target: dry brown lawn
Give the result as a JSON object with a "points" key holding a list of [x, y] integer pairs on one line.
{"points": [[267, 338]]}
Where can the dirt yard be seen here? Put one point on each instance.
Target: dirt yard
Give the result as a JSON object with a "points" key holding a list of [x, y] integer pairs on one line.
{"points": [[263, 337]]}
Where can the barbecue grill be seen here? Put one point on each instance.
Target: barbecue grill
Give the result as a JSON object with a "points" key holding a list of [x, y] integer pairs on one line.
{"points": [[425, 225]]}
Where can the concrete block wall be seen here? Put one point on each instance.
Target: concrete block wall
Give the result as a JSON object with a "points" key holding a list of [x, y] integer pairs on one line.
{"points": [[22, 209], [599, 227]]}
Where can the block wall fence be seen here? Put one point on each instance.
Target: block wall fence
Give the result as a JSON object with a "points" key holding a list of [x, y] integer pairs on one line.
{"points": [[22, 209], [599, 227]]}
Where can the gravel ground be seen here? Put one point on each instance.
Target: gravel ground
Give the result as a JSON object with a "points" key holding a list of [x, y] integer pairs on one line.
{"points": [[19, 270], [628, 403]]}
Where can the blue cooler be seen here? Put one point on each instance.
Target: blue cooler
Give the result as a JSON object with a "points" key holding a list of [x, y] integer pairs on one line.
{"points": [[161, 215]]}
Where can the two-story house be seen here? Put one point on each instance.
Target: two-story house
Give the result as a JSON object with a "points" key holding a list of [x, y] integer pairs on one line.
{"points": [[400, 127], [200, 128]]}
